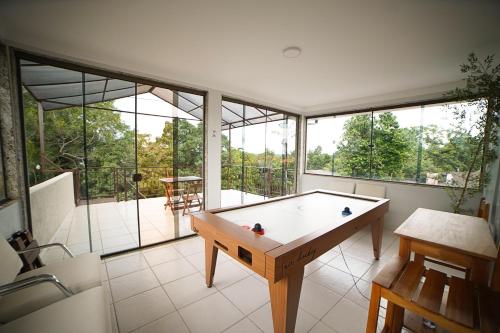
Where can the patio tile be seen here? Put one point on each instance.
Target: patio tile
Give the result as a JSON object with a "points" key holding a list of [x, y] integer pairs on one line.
{"points": [[173, 270], [247, 294], [312, 267], [126, 265], [141, 309], [161, 254], [327, 256], [243, 326], [132, 284], [109, 233], [316, 299], [190, 246], [188, 289], [169, 323], [227, 274], [321, 328], [332, 278], [264, 320], [198, 260], [363, 298], [211, 314], [114, 322], [347, 317], [355, 266], [111, 242]]}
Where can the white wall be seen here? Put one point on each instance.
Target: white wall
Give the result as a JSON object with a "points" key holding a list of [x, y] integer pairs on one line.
{"points": [[405, 198], [51, 201]]}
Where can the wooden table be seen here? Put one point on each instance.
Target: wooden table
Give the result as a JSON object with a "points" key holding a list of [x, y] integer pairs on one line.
{"points": [[297, 229], [169, 182], [461, 240]]}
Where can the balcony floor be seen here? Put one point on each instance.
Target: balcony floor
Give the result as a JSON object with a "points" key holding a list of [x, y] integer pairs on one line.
{"points": [[114, 225]]}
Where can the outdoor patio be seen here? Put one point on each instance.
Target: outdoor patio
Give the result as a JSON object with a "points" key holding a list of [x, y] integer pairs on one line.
{"points": [[114, 224]]}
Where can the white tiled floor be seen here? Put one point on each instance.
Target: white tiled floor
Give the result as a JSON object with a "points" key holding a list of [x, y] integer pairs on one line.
{"points": [[114, 227], [162, 289]]}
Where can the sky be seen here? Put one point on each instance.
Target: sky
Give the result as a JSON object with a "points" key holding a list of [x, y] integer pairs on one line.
{"points": [[326, 132], [256, 137]]}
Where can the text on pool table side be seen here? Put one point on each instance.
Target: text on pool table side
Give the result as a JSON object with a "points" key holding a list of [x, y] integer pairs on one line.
{"points": [[303, 256]]}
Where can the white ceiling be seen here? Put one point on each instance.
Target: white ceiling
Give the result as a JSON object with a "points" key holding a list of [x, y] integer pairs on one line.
{"points": [[354, 51]]}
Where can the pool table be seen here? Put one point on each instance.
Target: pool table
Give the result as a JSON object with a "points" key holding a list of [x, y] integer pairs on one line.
{"points": [[297, 229]]}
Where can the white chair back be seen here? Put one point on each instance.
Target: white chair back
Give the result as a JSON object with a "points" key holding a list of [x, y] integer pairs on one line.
{"points": [[371, 190], [10, 262]]}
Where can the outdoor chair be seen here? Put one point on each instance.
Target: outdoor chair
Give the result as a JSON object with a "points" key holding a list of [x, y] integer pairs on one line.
{"points": [[193, 197], [174, 196], [35, 289]]}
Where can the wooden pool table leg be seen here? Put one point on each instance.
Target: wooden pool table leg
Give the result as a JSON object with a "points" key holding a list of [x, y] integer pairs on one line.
{"points": [[285, 295], [210, 261], [377, 231]]}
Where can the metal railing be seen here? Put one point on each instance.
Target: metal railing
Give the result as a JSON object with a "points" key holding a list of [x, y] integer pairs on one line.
{"points": [[264, 181], [116, 183]]}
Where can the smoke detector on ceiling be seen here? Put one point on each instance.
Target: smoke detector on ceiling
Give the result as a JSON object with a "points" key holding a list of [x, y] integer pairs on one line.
{"points": [[292, 52]]}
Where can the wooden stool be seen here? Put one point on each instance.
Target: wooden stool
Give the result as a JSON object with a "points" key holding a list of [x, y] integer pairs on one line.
{"points": [[465, 308]]}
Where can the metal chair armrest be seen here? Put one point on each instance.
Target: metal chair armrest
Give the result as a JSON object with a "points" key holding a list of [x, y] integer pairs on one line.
{"points": [[33, 281], [46, 246]]}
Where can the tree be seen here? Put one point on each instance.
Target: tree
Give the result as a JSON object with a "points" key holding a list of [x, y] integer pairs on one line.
{"points": [[382, 152], [64, 138], [353, 155], [317, 160], [391, 150], [482, 90]]}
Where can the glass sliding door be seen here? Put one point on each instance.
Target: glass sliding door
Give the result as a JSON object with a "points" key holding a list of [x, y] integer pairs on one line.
{"points": [[258, 153], [110, 150], [55, 157], [100, 153], [170, 161]]}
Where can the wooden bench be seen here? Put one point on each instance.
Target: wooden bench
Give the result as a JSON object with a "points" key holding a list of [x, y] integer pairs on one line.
{"points": [[451, 303]]}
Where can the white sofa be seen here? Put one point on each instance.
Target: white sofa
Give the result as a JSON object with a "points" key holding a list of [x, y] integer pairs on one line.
{"points": [[55, 298]]}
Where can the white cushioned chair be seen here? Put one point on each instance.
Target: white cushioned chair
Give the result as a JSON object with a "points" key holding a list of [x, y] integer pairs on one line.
{"points": [[28, 292], [370, 190], [85, 312]]}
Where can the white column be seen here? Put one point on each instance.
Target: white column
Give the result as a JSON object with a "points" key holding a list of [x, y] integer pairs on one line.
{"points": [[300, 152], [213, 150]]}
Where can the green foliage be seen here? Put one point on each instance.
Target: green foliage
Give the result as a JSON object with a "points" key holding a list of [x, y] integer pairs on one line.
{"points": [[111, 160], [317, 160], [353, 155], [267, 173], [382, 153], [401, 154], [482, 90]]}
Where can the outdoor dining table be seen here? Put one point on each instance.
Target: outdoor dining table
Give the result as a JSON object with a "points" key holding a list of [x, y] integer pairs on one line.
{"points": [[170, 187]]}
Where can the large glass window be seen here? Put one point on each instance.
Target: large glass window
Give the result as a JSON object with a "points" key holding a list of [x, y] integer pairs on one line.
{"points": [[258, 153], [118, 158], [427, 144]]}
